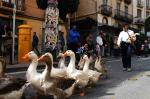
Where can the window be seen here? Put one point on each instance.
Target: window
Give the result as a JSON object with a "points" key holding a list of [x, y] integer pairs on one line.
{"points": [[8, 1], [139, 1], [118, 6], [139, 13], [105, 2], [126, 10], [147, 14], [5, 0], [19, 4], [147, 3]]}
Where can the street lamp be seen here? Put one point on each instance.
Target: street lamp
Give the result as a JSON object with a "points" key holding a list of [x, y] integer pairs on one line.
{"points": [[13, 35]]}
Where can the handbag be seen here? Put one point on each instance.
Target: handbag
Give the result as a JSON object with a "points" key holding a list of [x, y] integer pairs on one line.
{"points": [[131, 40]]}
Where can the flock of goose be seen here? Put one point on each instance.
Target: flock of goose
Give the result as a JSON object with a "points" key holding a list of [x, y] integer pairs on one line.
{"points": [[60, 82]]}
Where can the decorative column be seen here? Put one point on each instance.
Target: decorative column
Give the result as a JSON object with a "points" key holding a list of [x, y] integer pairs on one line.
{"points": [[51, 23]]}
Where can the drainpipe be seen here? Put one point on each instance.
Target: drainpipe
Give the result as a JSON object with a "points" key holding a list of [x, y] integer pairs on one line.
{"points": [[13, 36]]}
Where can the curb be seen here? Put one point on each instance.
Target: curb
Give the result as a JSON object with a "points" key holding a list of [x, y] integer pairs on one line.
{"points": [[24, 67]]}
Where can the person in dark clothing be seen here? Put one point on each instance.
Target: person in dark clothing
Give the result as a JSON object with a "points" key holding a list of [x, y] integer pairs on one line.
{"points": [[146, 48], [111, 43], [35, 43], [61, 40], [74, 37], [8, 45]]}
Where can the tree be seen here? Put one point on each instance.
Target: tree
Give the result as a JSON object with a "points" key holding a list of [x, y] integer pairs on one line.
{"points": [[64, 6], [147, 24]]}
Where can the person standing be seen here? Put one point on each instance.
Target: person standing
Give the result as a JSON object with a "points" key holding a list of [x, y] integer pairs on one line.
{"points": [[35, 43], [125, 40], [99, 41], [74, 37]]}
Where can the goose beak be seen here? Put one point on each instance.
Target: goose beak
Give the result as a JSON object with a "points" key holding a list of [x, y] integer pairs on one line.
{"points": [[41, 58], [25, 56], [65, 54]]}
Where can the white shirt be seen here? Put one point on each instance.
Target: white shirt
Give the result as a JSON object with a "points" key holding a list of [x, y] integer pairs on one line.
{"points": [[99, 40], [123, 36]]}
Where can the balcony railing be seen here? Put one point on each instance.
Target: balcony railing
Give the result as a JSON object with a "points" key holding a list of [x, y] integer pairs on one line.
{"points": [[106, 10], [127, 1], [148, 7], [8, 6], [123, 16], [139, 21], [140, 4]]}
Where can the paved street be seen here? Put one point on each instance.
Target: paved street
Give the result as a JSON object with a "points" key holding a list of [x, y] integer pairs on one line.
{"points": [[120, 84]]}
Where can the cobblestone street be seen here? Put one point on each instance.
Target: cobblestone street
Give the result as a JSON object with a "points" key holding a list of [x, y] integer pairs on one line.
{"points": [[121, 84]]}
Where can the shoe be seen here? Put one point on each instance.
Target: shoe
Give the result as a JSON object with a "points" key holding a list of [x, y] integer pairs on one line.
{"points": [[129, 69], [124, 69]]}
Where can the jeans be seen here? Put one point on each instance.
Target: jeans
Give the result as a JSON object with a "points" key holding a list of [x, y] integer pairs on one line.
{"points": [[126, 51]]}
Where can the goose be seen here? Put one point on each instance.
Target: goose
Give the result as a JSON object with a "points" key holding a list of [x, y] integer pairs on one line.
{"points": [[61, 63], [99, 67], [93, 75], [59, 72], [65, 84], [72, 72], [9, 85], [14, 94], [40, 81], [81, 63]]}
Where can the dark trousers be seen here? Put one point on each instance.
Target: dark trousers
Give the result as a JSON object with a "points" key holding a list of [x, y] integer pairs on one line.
{"points": [[126, 54], [0, 46]]}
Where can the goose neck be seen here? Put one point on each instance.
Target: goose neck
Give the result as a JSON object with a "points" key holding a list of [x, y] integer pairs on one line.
{"points": [[72, 62], [86, 65]]}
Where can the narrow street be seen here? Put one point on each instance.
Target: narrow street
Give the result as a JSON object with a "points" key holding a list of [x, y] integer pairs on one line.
{"points": [[119, 84]]}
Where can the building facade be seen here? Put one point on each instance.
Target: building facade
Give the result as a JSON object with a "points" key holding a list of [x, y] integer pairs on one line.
{"points": [[26, 12], [141, 10], [108, 14]]}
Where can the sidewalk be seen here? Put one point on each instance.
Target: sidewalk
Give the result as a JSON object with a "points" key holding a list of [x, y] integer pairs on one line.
{"points": [[23, 66]]}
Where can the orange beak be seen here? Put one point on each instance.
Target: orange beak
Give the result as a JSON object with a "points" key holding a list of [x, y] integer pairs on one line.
{"points": [[41, 59], [26, 56], [65, 54]]}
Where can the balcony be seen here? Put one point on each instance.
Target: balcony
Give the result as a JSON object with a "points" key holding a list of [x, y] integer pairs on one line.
{"points": [[147, 7], [106, 10], [123, 16], [127, 1], [140, 4], [7, 7], [139, 21]]}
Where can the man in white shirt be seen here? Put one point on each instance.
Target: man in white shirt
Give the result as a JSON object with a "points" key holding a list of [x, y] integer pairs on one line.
{"points": [[124, 41], [99, 41]]}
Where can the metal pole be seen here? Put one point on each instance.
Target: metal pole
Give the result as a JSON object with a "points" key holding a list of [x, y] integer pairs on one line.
{"points": [[13, 36]]}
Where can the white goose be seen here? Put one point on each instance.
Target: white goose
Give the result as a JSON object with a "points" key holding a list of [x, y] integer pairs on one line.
{"points": [[98, 66], [81, 63], [36, 79], [72, 72], [61, 63], [65, 84], [93, 75]]}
